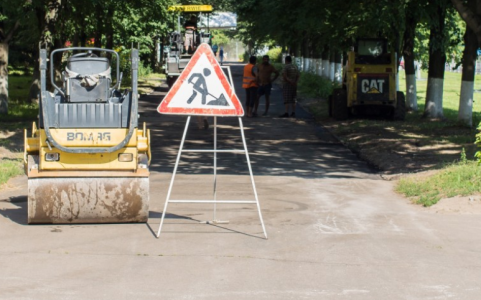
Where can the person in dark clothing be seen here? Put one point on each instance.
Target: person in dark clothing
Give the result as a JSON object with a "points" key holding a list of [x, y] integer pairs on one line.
{"points": [[265, 80], [190, 32], [290, 76], [214, 49], [221, 55]]}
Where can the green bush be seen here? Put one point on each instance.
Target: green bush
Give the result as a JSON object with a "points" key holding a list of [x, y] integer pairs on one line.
{"points": [[9, 168], [20, 111], [275, 54], [144, 70], [245, 57], [315, 86], [478, 143], [126, 67]]}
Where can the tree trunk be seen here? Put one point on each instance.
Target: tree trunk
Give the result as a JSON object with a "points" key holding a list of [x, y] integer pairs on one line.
{"points": [[437, 60], [153, 56], [304, 50], [397, 55], [408, 54], [5, 38], [47, 22], [99, 12], [57, 62], [34, 92], [75, 40], [325, 61], [109, 31], [4, 78], [465, 112], [338, 67], [82, 34], [332, 65], [51, 16]]}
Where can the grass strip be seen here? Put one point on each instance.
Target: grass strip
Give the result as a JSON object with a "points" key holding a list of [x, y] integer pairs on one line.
{"points": [[9, 168], [463, 178]]}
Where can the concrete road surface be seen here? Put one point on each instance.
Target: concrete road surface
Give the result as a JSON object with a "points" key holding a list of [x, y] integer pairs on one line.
{"points": [[336, 229]]}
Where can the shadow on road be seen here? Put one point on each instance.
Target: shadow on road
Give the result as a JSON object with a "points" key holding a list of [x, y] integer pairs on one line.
{"points": [[18, 214], [277, 146]]}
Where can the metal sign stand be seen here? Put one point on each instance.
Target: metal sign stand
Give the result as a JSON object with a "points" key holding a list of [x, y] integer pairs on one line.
{"points": [[215, 201]]}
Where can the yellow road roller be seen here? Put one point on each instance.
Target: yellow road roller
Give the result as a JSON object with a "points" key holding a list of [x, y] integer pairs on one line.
{"points": [[87, 161]]}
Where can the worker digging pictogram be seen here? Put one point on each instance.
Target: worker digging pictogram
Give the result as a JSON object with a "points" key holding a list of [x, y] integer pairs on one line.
{"points": [[200, 86]]}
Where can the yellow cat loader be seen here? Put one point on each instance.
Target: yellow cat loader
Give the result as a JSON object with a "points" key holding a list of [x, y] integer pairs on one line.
{"points": [[87, 161], [369, 83]]}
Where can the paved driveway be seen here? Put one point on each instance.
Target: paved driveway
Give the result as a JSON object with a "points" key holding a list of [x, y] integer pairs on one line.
{"points": [[336, 229]]}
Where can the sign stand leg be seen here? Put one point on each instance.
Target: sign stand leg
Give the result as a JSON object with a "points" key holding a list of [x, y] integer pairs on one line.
{"points": [[215, 201], [214, 220], [173, 174], [215, 167], [252, 176]]}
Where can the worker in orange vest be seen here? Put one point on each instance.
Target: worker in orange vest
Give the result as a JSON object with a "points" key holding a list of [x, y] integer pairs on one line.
{"points": [[249, 83]]}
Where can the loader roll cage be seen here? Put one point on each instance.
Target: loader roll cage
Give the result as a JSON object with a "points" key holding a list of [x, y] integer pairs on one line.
{"points": [[45, 94], [372, 51]]}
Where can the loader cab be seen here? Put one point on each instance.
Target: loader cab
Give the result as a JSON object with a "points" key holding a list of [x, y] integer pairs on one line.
{"points": [[369, 83], [371, 51]]}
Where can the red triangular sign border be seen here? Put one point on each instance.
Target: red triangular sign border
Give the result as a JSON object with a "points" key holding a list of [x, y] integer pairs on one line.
{"points": [[164, 108]]}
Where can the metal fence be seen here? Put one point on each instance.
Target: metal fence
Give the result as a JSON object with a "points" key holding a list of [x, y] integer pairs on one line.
{"points": [[451, 67]]}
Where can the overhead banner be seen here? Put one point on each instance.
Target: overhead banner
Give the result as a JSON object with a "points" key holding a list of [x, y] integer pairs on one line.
{"points": [[219, 20]]}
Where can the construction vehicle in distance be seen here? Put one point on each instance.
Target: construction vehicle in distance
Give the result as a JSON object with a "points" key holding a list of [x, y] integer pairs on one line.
{"points": [[175, 56], [87, 161], [369, 83]]}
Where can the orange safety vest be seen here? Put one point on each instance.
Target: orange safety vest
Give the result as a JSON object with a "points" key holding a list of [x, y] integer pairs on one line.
{"points": [[249, 80]]}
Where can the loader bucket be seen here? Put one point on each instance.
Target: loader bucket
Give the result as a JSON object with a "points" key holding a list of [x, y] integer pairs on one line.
{"points": [[88, 200]]}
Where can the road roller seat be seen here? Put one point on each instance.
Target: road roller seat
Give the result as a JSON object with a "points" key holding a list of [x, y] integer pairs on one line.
{"points": [[87, 78]]}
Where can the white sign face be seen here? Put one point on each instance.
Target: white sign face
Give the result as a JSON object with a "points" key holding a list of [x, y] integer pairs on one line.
{"points": [[202, 89]]}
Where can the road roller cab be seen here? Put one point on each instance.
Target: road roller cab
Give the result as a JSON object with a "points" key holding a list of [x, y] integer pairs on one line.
{"points": [[87, 161]]}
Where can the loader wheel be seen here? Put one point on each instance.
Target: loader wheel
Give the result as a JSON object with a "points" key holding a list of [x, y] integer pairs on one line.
{"points": [[340, 110], [399, 113]]}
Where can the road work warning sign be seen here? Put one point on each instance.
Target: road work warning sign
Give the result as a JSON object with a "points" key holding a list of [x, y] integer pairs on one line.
{"points": [[202, 89]]}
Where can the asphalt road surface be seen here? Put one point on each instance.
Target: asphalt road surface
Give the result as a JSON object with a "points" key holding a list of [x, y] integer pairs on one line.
{"points": [[335, 229]]}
